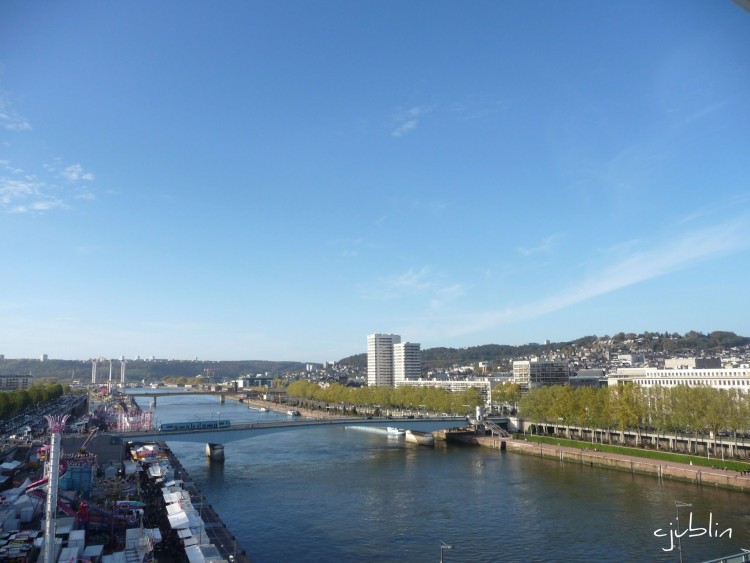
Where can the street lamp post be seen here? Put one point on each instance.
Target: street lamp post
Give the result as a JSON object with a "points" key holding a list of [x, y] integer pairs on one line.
{"points": [[443, 546], [679, 505]]}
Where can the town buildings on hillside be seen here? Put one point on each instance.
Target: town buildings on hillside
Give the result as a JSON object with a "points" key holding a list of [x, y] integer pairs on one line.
{"points": [[600, 363]]}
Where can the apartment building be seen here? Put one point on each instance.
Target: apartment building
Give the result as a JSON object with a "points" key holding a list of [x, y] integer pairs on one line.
{"points": [[15, 382], [380, 359], [390, 361], [407, 362]]}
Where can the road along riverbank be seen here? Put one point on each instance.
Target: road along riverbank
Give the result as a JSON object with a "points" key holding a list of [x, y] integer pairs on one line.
{"points": [[277, 407], [662, 470]]}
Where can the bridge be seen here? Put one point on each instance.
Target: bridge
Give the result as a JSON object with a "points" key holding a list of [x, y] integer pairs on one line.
{"points": [[154, 394], [215, 438]]}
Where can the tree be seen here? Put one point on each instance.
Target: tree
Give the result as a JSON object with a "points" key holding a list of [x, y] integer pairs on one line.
{"points": [[507, 394], [718, 407], [627, 407]]}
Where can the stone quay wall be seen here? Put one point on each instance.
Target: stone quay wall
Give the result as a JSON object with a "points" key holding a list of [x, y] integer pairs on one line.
{"points": [[703, 476]]}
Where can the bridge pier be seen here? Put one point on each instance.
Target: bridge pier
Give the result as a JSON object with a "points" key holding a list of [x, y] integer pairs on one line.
{"points": [[222, 399], [215, 452], [153, 402]]}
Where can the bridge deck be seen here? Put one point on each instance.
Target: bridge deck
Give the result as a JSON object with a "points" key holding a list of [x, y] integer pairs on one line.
{"points": [[245, 430]]}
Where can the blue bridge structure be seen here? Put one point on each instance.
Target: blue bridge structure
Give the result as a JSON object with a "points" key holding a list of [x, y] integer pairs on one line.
{"points": [[215, 437], [245, 430]]}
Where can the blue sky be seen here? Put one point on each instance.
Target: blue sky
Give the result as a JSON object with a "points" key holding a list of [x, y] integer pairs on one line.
{"points": [[276, 180]]}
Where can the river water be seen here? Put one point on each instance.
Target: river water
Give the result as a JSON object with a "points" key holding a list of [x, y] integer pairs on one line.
{"points": [[330, 494]]}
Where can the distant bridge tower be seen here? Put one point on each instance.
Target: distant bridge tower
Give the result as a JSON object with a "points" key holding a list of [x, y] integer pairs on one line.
{"points": [[110, 375], [122, 372], [93, 371]]}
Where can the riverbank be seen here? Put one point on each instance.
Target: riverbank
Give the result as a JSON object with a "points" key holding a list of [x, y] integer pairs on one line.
{"points": [[278, 407], [216, 530], [662, 470]]}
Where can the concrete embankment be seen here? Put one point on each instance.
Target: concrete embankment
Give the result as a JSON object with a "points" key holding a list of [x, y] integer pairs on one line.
{"points": [[706, 476], [217, 531]]}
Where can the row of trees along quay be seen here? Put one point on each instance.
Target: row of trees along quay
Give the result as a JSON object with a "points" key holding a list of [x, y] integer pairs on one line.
{"points": [[405, 397], [630, 407], [12, 402]]}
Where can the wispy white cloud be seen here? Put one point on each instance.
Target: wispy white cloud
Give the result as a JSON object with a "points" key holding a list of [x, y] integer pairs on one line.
{"points": [[21, 192], [677, 254], [433, 207], [51, 185], [446, 294], [349, 248], [413, 282], [545, 246], [76, 173], [398, 285], [26, 195], [10, 119], [638, 267], [405, 121], [717, 207], [702, 112]]}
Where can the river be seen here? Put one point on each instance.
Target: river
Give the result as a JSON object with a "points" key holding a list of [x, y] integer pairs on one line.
{"points": [[330, 494]]}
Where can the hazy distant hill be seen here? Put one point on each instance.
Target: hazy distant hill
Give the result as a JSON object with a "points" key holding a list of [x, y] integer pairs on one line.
{"points": [[141, 369], [694, 342], [671, 343]]}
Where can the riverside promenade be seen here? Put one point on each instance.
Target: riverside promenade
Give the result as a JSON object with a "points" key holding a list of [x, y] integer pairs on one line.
{"points": [[705, 476]]}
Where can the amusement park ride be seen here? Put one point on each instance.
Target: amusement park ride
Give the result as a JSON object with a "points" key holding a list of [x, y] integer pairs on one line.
{"points": [[122, 513]]}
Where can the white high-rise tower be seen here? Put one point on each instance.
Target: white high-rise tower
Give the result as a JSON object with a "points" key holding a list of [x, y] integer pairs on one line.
{"points": [[380, 359], [407, 362]]}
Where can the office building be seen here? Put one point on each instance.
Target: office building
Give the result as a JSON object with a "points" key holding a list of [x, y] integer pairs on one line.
{"points": [[537, 373], [718, 378]]}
